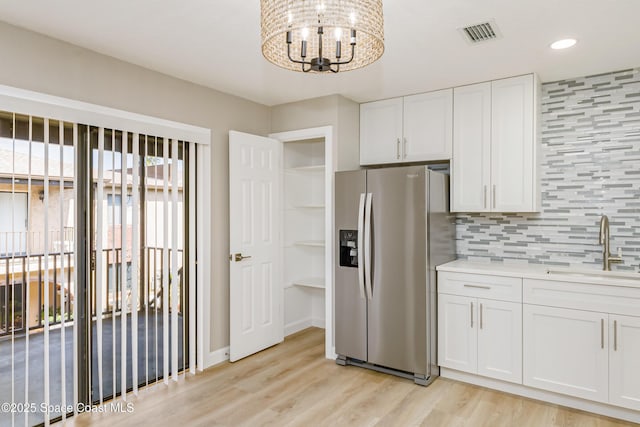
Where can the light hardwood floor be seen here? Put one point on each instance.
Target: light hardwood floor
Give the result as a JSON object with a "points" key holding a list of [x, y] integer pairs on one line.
{"points": [[292, 384]]}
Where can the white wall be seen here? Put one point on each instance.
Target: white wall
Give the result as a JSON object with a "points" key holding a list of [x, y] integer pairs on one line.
{"points": [[344, 117], [39, 63], [334, 110]]}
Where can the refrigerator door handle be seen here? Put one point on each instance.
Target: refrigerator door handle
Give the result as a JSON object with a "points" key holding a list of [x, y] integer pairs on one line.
{"points": [[367, 246], [361, 245]]}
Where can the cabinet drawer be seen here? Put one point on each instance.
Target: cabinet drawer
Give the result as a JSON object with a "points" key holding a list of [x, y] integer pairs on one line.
{"points": [[481, 286], [582, 296]]}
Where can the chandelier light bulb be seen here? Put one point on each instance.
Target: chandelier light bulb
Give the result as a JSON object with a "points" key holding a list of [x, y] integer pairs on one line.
{"points": [[320, 35]]}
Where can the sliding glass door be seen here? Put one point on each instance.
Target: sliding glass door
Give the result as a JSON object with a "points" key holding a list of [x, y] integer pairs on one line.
{"points": [[138, 297], [38, 281], [93, 283]]}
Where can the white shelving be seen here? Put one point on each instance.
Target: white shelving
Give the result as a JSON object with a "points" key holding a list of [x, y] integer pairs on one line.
{"points": [[310, 282], [312, 243], [308, 168], [310, 206], [304, 217]]}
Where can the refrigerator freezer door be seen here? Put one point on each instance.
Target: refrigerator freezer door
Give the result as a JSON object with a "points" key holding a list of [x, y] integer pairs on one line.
{"points": [[397, 324], [441, 237], [350, 301]]}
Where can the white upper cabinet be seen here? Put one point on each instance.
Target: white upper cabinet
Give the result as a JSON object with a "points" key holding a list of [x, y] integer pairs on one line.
{"points": [[428, 126], [414, 128], [471, 165], [381, 132], [494, 146], [513, 144]]}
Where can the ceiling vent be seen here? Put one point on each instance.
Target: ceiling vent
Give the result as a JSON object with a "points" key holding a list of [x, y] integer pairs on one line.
{"points": [[481, 32]]}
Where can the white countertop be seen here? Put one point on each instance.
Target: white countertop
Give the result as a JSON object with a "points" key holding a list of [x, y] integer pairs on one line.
{"points": [[545, 272]]}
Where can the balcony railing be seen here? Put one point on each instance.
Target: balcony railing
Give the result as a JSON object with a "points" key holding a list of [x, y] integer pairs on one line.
{"points": [[150, 290], [22, 282], [16, 242]]}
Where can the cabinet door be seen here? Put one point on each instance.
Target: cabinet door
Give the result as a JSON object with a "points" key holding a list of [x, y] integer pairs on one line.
{"points": [[428, 126], [566, 351], [513, 145], [624, 362], [500, 340], [471, 162], [457, 336], [381, 132]]}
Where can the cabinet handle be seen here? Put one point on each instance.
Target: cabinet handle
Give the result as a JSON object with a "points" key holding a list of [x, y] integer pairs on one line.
{"points": [[404, 148], [477, 286], [494, 196], [398, 149], [480, 316], [601, 333], [471, 315], [615, 335], [484, 199]]}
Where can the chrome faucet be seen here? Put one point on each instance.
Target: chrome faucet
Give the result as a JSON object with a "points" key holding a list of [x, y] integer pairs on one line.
{"points": [[607, 259]]}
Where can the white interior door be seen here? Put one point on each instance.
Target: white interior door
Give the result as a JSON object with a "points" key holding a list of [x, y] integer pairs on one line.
{"points": [[256, 297]]}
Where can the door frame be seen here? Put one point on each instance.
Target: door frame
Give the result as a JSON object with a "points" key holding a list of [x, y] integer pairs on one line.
{"points": [[330, 158]]}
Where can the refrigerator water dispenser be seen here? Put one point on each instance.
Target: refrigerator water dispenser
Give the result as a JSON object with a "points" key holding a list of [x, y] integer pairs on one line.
{"points": [[348, 248]]}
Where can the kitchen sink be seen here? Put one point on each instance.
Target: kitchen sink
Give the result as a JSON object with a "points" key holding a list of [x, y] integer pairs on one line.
{"points": [[598, 275]]}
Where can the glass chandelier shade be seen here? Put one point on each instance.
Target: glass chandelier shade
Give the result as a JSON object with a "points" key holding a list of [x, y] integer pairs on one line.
{"points": [[322, 35]]}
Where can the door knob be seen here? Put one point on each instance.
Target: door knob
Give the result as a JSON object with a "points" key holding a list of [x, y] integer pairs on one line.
{"points": [[239, 257]]}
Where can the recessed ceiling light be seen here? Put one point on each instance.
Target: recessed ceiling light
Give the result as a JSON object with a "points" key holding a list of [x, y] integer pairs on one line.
{"points": [[563, 44]]}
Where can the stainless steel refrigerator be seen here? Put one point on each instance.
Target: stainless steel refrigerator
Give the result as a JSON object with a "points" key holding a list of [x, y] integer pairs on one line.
{"points": [[393, 228]]}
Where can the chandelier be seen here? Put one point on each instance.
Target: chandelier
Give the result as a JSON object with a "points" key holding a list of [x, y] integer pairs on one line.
{"points": [[322, 35]]}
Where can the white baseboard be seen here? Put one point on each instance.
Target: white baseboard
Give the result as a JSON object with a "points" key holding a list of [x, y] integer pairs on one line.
{"points": [[215, 357], [331, 355], [545, 396], [299, 325]]}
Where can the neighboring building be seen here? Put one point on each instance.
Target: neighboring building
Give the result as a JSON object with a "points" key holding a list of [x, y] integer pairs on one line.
{"points": [[22, 231]]}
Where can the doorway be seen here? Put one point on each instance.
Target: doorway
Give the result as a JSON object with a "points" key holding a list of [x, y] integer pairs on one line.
{"points": [[304, 163]]}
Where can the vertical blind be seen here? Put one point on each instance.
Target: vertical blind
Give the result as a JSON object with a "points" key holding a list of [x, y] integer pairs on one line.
{"points": [[140, 293], [141, 195]]}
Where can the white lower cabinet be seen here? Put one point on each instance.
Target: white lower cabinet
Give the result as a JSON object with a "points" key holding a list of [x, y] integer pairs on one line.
{"points": [[566, 351], [585, 354], [457, 336], [624, 361], [480, 336], [580, 339], [500, 340]]}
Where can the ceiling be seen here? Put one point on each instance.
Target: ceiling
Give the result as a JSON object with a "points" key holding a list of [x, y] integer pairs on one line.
{"points": [[216, 43]]}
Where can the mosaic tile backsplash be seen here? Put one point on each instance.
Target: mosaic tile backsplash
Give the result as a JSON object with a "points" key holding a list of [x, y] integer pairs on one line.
{"points": [[589, 166]]}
